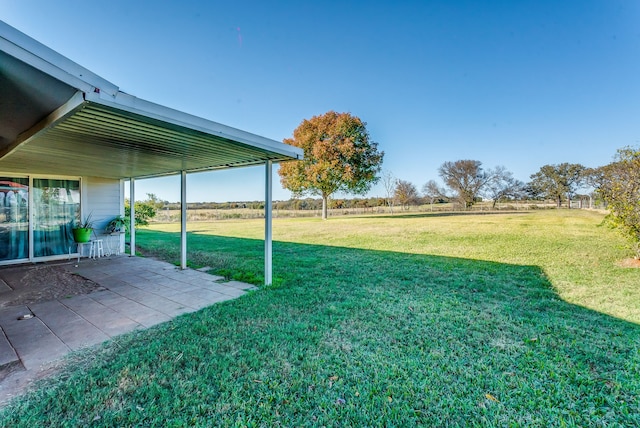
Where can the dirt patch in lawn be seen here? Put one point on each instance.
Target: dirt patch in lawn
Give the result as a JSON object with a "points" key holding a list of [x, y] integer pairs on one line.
{"points": [[630, 263], [26, 284]]}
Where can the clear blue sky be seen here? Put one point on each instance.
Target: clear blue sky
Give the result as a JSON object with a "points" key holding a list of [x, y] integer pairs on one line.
{"points": [[514, 83]]}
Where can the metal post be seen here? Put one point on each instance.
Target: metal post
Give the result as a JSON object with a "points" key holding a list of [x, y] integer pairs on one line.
{"points": [[183, 220], [32, 219], [268, 205], [132, 214]]}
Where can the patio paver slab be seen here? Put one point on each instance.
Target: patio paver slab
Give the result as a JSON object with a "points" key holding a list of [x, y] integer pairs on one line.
{"points": [[75, 331], [108, 320], [32, 340], [137, 293]]}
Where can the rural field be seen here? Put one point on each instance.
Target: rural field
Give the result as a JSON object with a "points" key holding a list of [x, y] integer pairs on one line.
{"points": [[483, 319]]}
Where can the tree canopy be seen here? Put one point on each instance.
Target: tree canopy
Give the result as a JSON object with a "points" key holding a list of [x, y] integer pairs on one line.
{"points": [[432, 191], [144, 210], [405, 193], [339, 156], [619, 185], [557, 181], [389, 186], [465, 178], [502, 185]]}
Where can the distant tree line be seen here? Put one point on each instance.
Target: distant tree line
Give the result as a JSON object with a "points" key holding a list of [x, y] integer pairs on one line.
{"points": [[304, 204], [255, 205], [466, 182]]}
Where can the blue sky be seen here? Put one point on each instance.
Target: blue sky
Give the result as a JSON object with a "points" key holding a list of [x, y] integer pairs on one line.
{"points": [[514, 83]]}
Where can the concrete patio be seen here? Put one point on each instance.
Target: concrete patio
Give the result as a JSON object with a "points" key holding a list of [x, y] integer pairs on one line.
{"points": [[138, 293]]}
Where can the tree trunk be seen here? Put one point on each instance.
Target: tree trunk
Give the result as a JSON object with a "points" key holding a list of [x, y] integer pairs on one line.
{"points": [[559, 201], [325, 206]]}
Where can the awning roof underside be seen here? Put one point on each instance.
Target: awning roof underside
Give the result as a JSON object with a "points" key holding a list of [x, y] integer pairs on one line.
{"points": [[57, 118], [102, 141]]}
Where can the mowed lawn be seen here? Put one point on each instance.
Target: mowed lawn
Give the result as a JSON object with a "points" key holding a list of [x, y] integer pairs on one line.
{"points": [[503, 319]]}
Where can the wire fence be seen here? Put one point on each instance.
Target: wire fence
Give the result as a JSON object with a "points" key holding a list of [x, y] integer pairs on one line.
{"points": [[207, 214]]}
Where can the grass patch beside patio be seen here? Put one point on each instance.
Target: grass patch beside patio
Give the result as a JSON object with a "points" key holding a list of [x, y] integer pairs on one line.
{"points": [[483, 320]]}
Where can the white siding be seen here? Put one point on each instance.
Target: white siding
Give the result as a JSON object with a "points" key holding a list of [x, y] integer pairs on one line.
{"points": [[103, 198]]}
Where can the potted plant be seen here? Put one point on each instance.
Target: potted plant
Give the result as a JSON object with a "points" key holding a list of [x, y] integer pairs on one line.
{"points": [[117, 225], [82, 230]]}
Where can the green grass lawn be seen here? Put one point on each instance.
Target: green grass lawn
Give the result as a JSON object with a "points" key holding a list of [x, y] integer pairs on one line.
{"points": [[488, 320]]}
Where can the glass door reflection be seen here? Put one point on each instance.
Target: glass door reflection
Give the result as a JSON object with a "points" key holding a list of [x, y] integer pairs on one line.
{"points": [[56, 207]]}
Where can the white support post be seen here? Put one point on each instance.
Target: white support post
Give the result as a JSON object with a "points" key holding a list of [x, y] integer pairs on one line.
{"points": [[32, 219], [183, 220], [132, 213], [268, 212]]}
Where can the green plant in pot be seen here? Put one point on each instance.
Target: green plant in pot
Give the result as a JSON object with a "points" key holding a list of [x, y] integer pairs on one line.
{"points": [[117, 225], [82, 231]]}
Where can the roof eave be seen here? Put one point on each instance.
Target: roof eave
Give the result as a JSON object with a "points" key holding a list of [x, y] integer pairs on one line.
{"points": [[41, 57]]}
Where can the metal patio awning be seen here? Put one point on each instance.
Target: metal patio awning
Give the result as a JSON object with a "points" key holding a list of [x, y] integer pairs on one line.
{"points": [[57, 117], [91, 136]]}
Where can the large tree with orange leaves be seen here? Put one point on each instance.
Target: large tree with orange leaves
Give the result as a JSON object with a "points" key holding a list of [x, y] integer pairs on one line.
{"points": [[339, 156]]}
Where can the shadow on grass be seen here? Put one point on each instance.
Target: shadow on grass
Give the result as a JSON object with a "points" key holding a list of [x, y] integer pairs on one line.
{"points": [[503, 323], [352, 337], [311, 266]]}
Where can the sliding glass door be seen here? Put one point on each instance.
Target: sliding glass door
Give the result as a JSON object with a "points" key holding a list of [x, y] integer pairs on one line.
{"points": [[37, 217], [56, 207], [14, 218]]}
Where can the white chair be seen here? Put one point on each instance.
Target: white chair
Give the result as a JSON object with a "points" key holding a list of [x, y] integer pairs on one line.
{"points": [[96, 249]]}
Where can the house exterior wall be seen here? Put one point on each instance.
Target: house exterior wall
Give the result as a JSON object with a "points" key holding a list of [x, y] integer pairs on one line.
{"points": [[104, 199], [38, 230]]}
